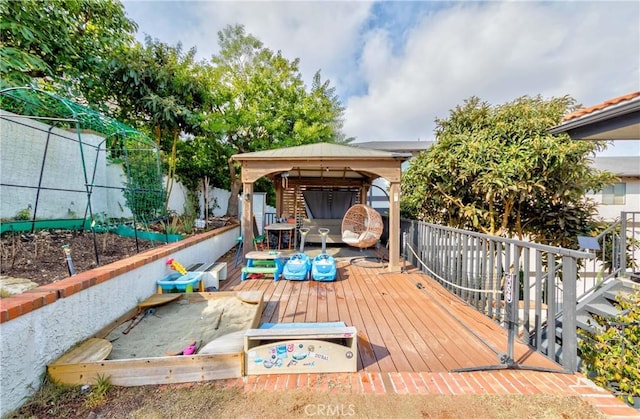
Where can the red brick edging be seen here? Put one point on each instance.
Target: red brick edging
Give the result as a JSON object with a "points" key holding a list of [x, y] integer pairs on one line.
{"points": [[507, 382]]}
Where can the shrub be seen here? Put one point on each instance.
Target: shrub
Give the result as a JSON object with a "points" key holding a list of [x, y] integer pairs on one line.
{"points": [[611, 358]]}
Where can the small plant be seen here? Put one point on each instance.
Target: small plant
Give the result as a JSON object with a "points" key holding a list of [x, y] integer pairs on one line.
{"points": [[51, 397], [98, 395], [173, 226], [612, 357], [24, 214], [188, 223]]}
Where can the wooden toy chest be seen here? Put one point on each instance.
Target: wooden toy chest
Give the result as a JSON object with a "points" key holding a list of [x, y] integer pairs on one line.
{"points": [[301, 348]]}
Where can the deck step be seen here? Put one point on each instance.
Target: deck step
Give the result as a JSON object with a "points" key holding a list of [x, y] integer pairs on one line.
{"points": [[612, 295], [586, 322], [605, 310]]}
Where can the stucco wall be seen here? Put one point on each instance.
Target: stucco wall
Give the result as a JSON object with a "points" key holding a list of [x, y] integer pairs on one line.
{"points": [[632, 201], [39, 326], [24, 144]]}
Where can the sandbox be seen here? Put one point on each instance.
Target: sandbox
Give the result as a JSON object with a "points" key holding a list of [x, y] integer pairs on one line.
{"points": [[145, 345]]}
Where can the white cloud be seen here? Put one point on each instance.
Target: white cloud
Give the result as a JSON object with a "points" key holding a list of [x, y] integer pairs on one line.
{"points": [[323, 35], [398, 66], [498, 51]]}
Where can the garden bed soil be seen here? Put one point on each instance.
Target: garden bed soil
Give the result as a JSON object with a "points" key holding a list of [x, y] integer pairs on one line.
{"points": [[39, 257]]}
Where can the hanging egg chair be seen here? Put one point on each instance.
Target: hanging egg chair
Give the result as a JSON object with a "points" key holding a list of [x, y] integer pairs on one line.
{"points": [[361, 226]]}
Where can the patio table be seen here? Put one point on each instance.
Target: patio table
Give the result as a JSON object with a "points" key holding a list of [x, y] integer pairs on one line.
{"points": [[280, 228]]}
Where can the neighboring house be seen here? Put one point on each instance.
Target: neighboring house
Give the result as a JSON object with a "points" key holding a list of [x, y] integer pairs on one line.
{"points": [[412, 147], [624, 195], [614, 119]]}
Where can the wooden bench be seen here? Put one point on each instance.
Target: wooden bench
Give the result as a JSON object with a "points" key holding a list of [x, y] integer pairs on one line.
{"points": [[301, 348], [213, 274]]}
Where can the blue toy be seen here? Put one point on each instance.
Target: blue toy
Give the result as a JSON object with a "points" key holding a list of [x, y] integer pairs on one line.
{"points": [[299, 264], [323, 267]]}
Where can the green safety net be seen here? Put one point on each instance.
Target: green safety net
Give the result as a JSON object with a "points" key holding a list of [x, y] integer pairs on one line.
{"points": [[139, 155]]}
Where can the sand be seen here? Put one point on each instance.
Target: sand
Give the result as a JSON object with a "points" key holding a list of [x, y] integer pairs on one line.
{"points": [[175, 325]]}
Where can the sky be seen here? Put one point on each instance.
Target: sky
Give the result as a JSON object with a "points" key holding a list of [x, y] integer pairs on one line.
{"points": [[399, 65]]}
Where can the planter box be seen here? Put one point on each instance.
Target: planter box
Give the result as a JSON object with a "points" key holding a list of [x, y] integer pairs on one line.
{"points": [[53, 224]]}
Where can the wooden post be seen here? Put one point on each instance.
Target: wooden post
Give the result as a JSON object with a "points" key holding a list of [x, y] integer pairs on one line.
{"points": [[247, 218], [394, 226]]}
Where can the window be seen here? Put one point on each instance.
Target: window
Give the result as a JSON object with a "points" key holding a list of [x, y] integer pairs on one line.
{"points": [[614, 194]]}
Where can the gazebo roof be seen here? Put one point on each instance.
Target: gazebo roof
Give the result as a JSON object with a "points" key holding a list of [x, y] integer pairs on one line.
{"points": [[321, 151], [324, 161]]}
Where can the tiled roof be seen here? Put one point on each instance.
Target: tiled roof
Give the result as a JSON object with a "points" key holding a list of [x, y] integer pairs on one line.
{"points": [[601, 106]]}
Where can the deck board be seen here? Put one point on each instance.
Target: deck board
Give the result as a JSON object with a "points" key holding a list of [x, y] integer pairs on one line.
{"points": [[371, 327], [401, 328], [426, 344], [386, 322], [455, 348], [366, 351]]}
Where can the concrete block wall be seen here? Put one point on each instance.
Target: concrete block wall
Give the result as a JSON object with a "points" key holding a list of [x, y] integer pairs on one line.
{"points": [[23, 144]]}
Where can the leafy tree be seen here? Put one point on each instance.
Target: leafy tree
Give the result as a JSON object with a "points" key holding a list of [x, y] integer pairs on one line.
{"points": [[159, 89], [496, 169], [264, 103], [611, 357], [202, 162], [60, 41]]}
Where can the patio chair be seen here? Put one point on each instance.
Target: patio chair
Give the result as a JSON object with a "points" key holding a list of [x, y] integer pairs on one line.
{"points": [[361, 226], [259, 241]]}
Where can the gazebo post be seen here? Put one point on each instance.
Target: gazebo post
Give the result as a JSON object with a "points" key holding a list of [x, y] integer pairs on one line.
{"points": [[394, 226], [247, 217], [279, 198]]}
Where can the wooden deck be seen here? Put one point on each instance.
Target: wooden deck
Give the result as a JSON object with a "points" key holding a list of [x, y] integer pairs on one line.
{"points": [[401, 327]]}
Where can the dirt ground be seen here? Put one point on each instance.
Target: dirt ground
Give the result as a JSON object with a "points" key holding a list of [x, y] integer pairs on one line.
{"points": [[40, 257], [205, 400]]}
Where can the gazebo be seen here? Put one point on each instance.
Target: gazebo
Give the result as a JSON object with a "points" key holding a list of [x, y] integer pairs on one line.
{"points": [[325, 171]]}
